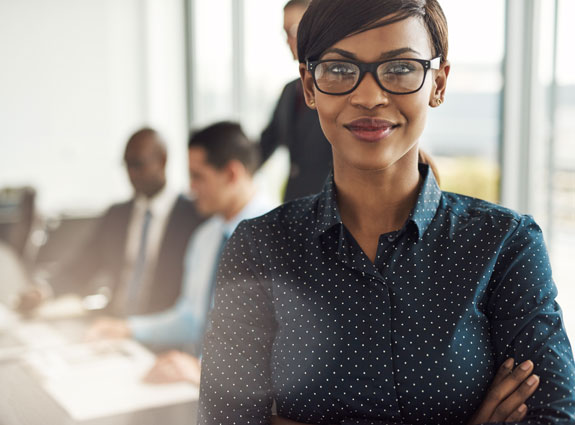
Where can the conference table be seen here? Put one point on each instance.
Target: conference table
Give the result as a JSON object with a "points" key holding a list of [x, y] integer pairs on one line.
{"points": [[49, 374]]}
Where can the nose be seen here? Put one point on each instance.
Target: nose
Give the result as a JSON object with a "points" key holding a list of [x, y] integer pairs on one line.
{"points": [[368, 94]]}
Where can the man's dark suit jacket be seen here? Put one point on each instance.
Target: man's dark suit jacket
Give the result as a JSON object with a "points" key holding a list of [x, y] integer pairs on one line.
{"points": [[105, 252], [296, 126]]}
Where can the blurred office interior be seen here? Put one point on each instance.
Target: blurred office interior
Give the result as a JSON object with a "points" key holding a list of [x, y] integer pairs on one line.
{"points": [[78, 77]]}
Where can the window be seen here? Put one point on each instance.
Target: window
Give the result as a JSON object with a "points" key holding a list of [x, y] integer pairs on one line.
{"points": [[463, 133]]}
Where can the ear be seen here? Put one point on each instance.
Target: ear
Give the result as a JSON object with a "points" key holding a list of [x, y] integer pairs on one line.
{"points": [[234, 170], [308, 86], [437, 95]]}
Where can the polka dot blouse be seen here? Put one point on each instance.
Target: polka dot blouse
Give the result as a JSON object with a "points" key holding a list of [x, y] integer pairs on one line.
{"points": [[302, 317]]}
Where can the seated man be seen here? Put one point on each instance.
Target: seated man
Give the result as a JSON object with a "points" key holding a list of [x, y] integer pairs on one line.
{"points": [[222, 162], [137, 246]]}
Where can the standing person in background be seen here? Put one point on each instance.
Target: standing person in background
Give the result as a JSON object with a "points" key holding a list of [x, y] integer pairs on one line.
{"points": [[384, 300], [222, 161], [137, 247], [296, 126]]}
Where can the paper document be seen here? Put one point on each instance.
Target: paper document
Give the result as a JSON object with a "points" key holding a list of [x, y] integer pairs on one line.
{"points": [[103, 379]]}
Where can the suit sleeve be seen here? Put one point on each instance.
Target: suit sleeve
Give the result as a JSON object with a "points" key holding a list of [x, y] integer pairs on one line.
{"points": [[272, 136], [526, 323], [236, 381]]}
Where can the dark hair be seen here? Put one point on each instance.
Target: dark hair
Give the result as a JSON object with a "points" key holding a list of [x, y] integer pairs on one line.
{"points": [[326, 22], [299, 3], [223, 142]]}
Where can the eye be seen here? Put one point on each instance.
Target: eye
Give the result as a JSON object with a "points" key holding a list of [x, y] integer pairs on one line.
{"points": [[341, 69], [398, 68]]}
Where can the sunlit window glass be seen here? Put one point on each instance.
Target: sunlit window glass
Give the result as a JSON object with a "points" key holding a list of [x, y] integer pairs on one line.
{"points": [[463, 133]]}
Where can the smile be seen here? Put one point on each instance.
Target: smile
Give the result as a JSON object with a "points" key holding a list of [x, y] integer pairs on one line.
{"points": [[370, 129]]}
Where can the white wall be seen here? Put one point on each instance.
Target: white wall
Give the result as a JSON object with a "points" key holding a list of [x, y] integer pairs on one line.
{"points": [[76, 78]]}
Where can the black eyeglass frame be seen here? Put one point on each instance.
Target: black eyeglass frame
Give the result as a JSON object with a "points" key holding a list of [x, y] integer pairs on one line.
{"points": [[364, 68]]}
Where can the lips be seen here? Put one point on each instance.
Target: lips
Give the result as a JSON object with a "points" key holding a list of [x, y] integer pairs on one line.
{"points": [[370, 129]]}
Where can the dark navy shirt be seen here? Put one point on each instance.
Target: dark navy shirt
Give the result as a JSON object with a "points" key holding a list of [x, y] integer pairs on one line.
{"points": [[303, 317]]}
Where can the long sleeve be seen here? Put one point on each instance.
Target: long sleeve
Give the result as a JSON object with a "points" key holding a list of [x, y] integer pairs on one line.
{"points": [[527, 323], [175, 326], [236, 383], [273, 135], [184, 322]]}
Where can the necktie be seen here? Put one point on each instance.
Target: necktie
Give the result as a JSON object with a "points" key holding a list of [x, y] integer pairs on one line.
{"points": [[134, 289]]}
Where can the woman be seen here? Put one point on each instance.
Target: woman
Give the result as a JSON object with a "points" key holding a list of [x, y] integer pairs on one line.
{"points": [[383, 300]]}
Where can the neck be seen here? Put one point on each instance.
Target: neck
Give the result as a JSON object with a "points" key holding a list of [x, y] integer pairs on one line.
{"points": [[377, 202], [242, 195]]}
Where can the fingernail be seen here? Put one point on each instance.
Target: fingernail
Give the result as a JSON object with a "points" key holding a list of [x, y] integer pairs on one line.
{"points": [[526, 365], [522, 408], [532, 380], [509, 363]]}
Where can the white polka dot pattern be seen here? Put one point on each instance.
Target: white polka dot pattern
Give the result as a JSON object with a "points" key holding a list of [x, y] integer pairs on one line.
{"points": [[303, 317]]}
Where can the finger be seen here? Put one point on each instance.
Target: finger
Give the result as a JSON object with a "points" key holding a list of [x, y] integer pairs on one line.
{"points": [[509, 384], [504, 370], [518, 414], [499, 392], [516, 399]]}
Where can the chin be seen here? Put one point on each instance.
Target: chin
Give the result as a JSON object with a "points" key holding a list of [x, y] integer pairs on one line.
{"points": [[372, 163]]}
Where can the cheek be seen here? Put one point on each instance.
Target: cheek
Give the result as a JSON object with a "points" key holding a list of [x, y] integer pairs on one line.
{"points": [[329, 109], [414, 108]]}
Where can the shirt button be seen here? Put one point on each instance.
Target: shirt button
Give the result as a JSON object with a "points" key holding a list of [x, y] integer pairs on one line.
{"points": [[390, 238]]}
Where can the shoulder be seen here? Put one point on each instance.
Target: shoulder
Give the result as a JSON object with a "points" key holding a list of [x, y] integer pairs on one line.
{"points": [[292, 217], [184, 210], [484, 213], [208, 229], [119, 210], [290, 90], [183, 203]]}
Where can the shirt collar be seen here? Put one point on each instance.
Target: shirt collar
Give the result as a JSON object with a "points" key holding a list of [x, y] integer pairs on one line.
{"points": [[160, 204], [327, 215], [257, 206]]}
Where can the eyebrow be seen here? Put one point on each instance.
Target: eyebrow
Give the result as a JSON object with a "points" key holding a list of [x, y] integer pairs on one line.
{"points": [[383, 56]]}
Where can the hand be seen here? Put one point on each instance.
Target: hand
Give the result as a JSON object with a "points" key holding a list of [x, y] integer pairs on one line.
{"points": [[174, 366], [108, 328], [30, 299], [505, 399]]}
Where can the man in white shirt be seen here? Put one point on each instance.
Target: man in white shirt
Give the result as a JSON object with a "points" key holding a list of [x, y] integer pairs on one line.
{"points": [[137, 247], [221, 162]]}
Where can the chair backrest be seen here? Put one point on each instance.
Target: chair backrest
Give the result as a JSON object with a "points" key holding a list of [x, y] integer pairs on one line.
{"points": [[13, 275], [17, 212]]}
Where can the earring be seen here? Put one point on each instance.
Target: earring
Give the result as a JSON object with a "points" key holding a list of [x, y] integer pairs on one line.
{"points": [[311, 102], [438, 102]]}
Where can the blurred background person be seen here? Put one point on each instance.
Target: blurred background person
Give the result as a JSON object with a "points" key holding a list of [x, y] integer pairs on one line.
{"points": [[137, 246], [296, 126], [222, 161]]}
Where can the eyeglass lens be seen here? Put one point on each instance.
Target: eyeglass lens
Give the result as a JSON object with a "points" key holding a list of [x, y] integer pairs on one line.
{"points": [[400, 76]]}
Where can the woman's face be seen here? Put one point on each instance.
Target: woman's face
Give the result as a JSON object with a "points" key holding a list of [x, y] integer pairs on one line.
{"points": [[370, 129]]}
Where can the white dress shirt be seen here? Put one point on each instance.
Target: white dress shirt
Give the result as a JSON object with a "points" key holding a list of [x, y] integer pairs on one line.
{"points": [[160, 206], [184, 322]]}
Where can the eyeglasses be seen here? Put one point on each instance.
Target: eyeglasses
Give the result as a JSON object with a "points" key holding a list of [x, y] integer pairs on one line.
{"points": [[396, 76]]}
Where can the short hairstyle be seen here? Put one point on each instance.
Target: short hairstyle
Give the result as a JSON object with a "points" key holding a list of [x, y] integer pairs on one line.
{"points": [[143, 132], [326, 22], [148, 132], [298, 3], [226, 141]]}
